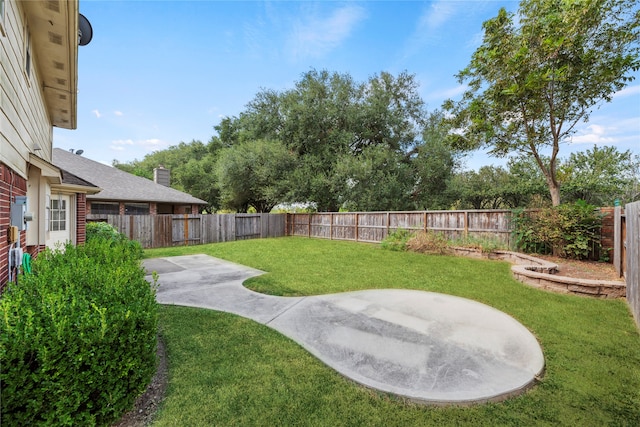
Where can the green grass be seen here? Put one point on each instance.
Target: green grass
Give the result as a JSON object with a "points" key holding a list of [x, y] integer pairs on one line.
{"points": [[226, 370]]}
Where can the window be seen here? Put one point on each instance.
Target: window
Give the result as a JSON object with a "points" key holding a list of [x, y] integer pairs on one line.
{"points": [[136, 209], [105, 208], [58, 215]]}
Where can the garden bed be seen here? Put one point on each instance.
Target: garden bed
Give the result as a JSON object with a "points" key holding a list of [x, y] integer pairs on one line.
{"points": [[566, 276]]}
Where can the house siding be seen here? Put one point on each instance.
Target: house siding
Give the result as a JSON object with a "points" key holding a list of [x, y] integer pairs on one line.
{"points": [[25, 122]]}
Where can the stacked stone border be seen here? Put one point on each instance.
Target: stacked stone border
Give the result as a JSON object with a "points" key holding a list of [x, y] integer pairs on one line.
{"points": [[542, 274]]}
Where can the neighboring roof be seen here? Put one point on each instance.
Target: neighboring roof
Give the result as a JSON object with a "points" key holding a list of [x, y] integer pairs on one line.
{"points": [[117, 184], [69, 178], [70, 182]]}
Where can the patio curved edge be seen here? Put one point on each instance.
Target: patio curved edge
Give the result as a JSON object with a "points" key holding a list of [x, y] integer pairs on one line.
{"points": [[424, 347], [429, 348]]}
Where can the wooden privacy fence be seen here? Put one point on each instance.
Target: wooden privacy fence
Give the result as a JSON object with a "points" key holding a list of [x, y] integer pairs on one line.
{"points": [[629, 241], [375, 226], [159, 231]]}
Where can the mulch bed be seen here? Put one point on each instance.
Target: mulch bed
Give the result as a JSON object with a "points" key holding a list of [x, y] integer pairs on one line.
{"points": [[594, 270], [146, 405]]}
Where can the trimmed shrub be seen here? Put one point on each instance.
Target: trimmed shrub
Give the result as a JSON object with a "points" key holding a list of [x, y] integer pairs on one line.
{"points": [[429, 243], [102, 230], [396, 240], [105, 231], [77, 336], [567, 231]]}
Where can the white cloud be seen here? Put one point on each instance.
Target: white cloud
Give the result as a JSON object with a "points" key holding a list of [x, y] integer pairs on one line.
{"points": [[448, 93], [429, 26], [138, 146], [153, 142], [436, 16], [121, 142], [627, 91], [96, 113], [315, 36], [610, 130], [595, 134], [118, 113]]}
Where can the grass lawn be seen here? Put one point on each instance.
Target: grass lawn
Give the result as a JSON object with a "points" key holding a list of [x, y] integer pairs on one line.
{"points": [[227, 370]]}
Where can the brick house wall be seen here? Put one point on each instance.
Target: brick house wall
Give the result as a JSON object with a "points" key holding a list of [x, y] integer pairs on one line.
{"points": [[11, 185]]}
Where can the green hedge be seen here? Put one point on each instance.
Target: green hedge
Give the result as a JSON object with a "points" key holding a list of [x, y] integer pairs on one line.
{"points": [[77, 337], [570, 230], [105, 231]]}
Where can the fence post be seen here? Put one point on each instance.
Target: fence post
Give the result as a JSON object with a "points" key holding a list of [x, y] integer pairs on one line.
{"points": [[617, 239], [357, 221], [466, 224], [331, 226], [186, 230], [425, 221], [388, 222], [286, 224]]}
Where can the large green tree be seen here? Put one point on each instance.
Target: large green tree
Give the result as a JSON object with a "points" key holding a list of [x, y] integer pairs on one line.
{"points": [[191, 165], [328, 117], [377, 179], [253, 174], [539, 73], [434, 164], [600, 176]]}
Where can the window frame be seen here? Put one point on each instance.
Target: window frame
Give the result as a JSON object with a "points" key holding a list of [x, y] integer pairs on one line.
{"points": [[58, 215], [138, 208], [101, 211]]}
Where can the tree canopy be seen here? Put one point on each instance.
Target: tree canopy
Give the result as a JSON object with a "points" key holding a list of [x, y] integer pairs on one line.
{"points": [[540, 73], [345, 136]]}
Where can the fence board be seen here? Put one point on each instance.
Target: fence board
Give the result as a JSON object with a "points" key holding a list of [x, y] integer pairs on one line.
{"points": [[372, 226], [375, 226], [632, 268], [248, 227], [156, 231]]}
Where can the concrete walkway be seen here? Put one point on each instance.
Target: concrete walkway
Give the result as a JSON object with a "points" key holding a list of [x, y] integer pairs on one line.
{"points": [[424, 346]]}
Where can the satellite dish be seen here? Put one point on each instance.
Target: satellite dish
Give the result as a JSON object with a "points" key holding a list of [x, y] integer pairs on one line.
{"points": [[79, 152], [85, 32]]}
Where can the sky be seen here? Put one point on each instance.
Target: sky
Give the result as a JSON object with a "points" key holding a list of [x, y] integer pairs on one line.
{"points": [[157, 73]]}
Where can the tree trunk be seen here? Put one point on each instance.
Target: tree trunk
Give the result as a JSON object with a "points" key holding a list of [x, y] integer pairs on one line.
{"points": [[554, 189]]}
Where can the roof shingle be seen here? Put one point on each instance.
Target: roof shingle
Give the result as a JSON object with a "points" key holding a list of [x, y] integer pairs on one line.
{"points": [[117, 184]]}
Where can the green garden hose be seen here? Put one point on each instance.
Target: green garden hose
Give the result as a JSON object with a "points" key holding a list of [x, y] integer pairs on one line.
{"points": [[26, 263]]}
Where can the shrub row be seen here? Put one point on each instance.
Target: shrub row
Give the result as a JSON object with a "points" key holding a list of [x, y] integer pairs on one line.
{"points": [[568, 231], [430, 242], [77, 336]]}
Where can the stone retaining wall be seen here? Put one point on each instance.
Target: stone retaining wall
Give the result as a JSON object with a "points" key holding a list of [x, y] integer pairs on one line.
{"points": [[541, 274]]}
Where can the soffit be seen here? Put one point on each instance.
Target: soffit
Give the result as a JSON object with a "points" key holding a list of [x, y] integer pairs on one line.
{"points": [[53, 25]]}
